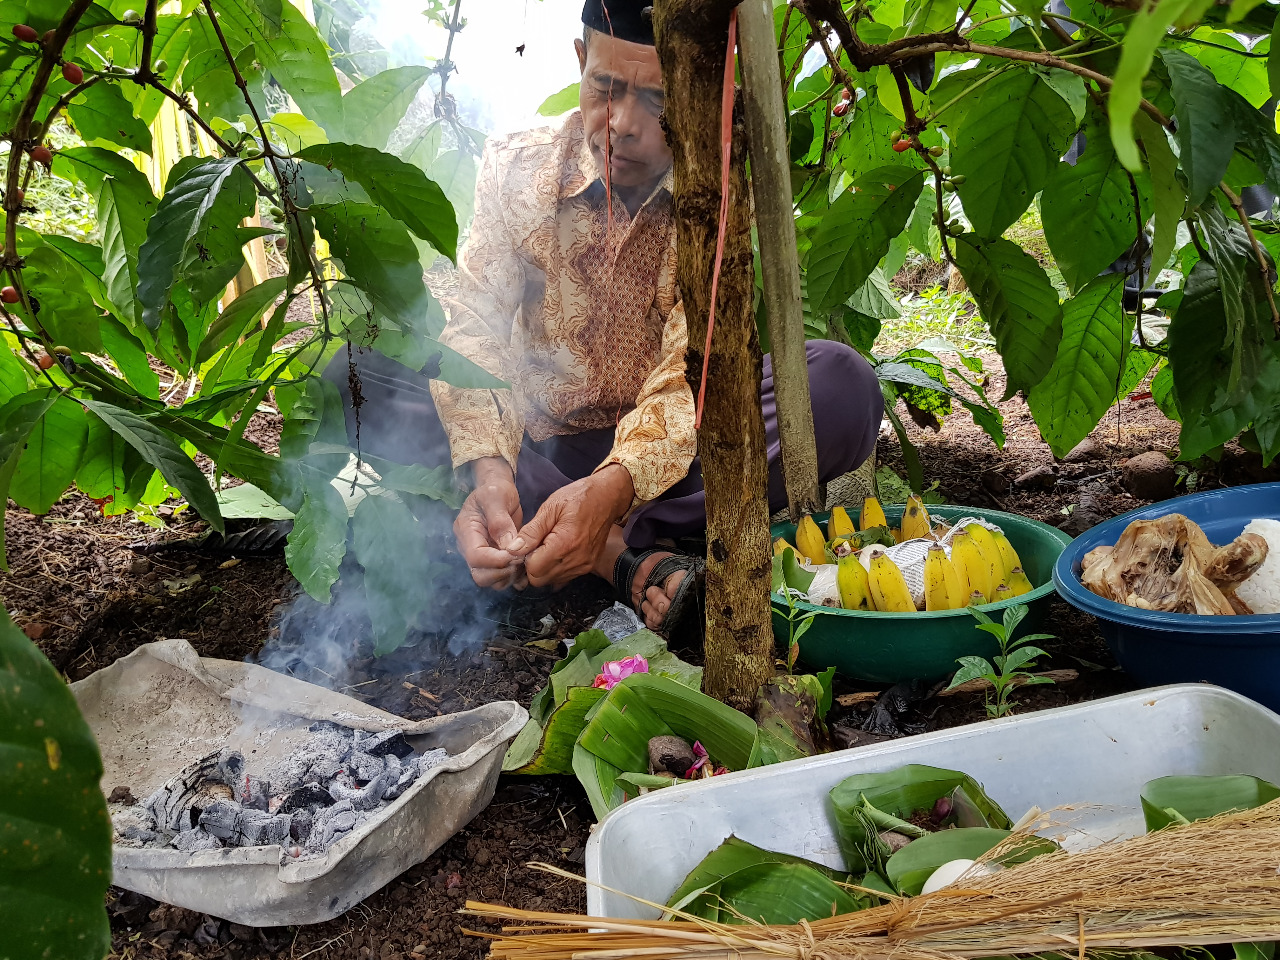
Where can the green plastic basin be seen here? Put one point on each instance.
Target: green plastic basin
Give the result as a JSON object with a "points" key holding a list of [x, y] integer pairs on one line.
{"points": [[891, 647]]}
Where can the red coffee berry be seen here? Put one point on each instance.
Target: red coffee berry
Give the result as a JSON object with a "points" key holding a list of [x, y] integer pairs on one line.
{"points": [[45, 361], [9, 294], [845, 94], [901, 145], [25, 33], [840, 109], [42, 154], [72, 73], [19, 194], [47, 39]]}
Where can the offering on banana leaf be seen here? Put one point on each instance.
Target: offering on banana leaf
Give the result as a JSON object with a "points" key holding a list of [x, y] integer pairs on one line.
{"points": [[941, 828], [922, 565], [1168, 564]]}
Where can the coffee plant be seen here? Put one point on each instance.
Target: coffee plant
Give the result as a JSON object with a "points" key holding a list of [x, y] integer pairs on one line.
{"points": [[125, 357], [1137, 126]]}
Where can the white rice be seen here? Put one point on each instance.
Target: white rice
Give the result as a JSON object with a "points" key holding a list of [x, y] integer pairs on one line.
{"points": [[1262, 590]]}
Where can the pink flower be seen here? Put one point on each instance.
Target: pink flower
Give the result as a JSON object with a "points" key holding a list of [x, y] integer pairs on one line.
{"points": [[703, 760], [615, 671]]}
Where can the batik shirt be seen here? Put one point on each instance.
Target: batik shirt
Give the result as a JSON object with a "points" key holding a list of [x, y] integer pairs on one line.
{"points": [[581, 316]]}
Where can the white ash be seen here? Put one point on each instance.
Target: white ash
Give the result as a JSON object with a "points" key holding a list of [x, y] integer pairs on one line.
{"points": [[303, 803]]}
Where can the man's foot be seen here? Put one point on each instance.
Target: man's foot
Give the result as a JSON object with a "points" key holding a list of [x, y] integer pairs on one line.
{"points": [[653, 604]]}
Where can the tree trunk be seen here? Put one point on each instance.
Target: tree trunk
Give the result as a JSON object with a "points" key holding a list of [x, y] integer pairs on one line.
{"points": [[692, 36], [766, 115]]}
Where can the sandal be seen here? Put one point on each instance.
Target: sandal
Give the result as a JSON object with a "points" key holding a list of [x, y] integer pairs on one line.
{"points": [[686, 604]]}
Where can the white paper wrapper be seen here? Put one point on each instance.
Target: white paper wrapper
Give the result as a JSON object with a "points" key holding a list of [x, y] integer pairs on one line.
{"points": [[909, 556]]}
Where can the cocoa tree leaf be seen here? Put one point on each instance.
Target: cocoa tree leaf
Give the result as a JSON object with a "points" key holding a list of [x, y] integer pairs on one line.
{"points": [[1167, 195], [53, 451], [55, 837], [856, 231], [1081, 385], [400, 188], [1208, 125], [159, 450], [318, 540], [102, 113], [191, 198], [1009, 141], [1019, 304], [1088, 210]]}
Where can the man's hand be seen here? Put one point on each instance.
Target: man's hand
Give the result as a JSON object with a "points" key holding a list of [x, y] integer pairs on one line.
{"points": [[563, 541], [488, 522]]}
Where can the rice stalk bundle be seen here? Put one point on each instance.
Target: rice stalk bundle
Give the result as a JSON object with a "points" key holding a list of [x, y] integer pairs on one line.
{"points": [[1212, 881]]}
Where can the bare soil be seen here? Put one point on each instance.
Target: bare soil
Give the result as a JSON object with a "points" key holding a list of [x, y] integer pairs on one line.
{"points": [[86, 598]]}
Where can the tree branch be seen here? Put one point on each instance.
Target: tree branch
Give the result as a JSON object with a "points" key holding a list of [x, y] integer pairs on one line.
{"points": [[1137, 246], [63, 102], [1238, 206]]}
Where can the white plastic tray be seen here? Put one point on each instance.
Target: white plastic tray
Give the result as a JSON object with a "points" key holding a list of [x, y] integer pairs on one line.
{"points": [[1096, 754]]}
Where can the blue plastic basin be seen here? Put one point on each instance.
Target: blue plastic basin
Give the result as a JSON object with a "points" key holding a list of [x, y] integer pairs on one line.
{"points": [[1241, 653]]}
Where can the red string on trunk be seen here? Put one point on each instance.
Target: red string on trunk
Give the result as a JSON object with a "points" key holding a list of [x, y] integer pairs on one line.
{"points": [[726, 146]]}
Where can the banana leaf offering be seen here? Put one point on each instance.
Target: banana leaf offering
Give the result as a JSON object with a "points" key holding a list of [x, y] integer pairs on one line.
{"points": [[612, 757], [1174, 800], [558, 711], [739, 882]]}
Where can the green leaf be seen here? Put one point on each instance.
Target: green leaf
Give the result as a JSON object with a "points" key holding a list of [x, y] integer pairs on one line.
{"points": [[398, 187], [1196, 798], [185, 212], [865, 144], [55, 838], [1006, 146], [92, 165], [856, 231], [540, 752], [239, 315], [1088, 210], [18, 417], [318, 540], [395, 551], [1168, 197], [123, 213], [378, 255], [161, 452], [372, 109], [1143, 35], [1081, 385], [67, 311], [742, 883], [911, 867], [1207, 124], [130, 357], [971, 668], [111, 468], [53, 451], [1019, 304], [561, 102], [1020, 657], [292, 53], [102, 113], [13, 375]]}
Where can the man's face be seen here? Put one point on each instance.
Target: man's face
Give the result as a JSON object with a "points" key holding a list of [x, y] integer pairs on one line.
{"points": [[622, 92]]}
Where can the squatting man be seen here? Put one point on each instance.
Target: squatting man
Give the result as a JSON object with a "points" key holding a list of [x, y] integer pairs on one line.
{"points": [[567, 291]]}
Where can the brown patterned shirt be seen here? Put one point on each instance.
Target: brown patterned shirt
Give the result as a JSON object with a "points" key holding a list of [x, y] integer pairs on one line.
{"points": [[585, 322]]}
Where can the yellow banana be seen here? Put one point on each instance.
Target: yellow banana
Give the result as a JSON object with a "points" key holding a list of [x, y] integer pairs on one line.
{"points": [[1008, 556], [872, 515], [986, 545], [851, 579], [1003, 593], [1019, 583], [915, 520], [809, 540], [889, 591], [780, 546], [976, 599], [941, 582], [839, 524], [971, 567]]}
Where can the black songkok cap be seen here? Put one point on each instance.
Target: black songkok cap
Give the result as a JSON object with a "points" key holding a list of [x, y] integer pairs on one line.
{"points": [[630, 20]]}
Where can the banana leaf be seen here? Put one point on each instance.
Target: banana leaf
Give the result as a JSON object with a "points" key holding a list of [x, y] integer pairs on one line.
{"points": [[1183, 799], [857, 802], [909, 868], [787, 571], [616, 736], [739, 882], [558, 711]]}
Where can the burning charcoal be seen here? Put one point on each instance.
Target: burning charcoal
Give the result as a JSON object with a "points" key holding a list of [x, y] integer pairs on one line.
{"points": [[361, 798], [300, 825], [231, 768], [364, 767], [254, 793], [323, 827], [324, 770], [189, 841], [121, 795], [219, 818], [387, 743], [257, 829], [134, 824], [307, 795], [431, 758], [293, 773]]}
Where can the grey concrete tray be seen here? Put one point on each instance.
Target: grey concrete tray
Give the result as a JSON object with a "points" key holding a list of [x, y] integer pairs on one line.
{"points": [[163, 706]]}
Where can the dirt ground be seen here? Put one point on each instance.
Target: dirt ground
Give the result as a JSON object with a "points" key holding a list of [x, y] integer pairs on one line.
{"points": [[87, 598]]}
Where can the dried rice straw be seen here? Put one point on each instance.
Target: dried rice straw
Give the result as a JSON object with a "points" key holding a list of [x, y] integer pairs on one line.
{"points": [[1213, 881]]}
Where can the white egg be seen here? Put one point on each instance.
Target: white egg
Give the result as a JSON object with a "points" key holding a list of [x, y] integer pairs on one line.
{"points": [[947, 874]]}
